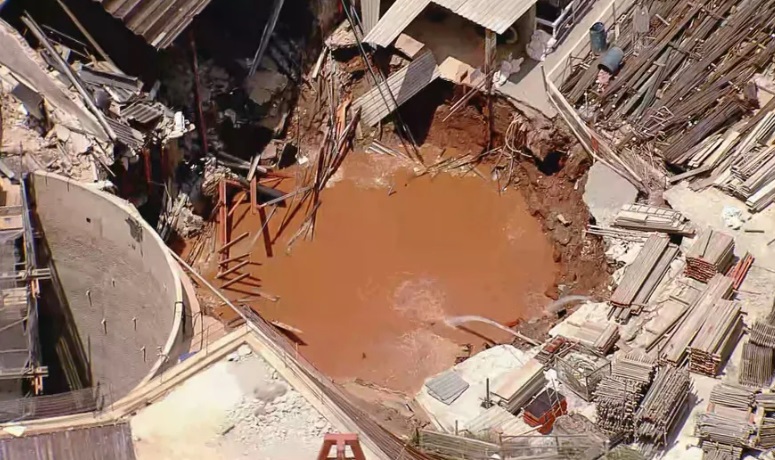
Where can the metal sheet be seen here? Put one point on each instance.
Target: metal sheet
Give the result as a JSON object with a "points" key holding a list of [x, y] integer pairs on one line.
{"points": [[369, 14], [105, 442], [159, 22], [397, 18], [377, 103], [127, 135], [447, 387], [143, 112], [495, 15]]}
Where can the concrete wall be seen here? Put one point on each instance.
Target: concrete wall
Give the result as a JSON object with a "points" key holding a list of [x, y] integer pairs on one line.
{"points": [[123, 288]]}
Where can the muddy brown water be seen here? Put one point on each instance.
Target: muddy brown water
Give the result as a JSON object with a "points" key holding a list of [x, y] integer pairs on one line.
{"points": [[392, 256]]}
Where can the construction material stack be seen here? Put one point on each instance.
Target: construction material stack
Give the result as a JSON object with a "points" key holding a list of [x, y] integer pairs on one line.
{"points": [[516, 387], [663, 405], [729, 418], [642, 276], [675, 350], [711, 253], [716, 339], [618, 395], [756, 367], [652, 219]]}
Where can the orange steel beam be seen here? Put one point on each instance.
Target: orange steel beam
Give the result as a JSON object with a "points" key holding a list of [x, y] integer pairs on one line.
{"points": [[234, 280], [232, 242]]}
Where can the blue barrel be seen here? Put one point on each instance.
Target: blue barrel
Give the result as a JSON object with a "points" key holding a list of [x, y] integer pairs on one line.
{"points": [[611, 60], [597, 38]]}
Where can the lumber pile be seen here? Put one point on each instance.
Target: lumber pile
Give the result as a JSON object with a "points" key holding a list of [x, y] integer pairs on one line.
{"points": [[765, 436], [711, 253], [740, 270], [712, 451], [685, 80], [756, 366], [652, 219], [618, 395], [663, 405], [598, 336], [732, 396], [765, 401], [677, 346], [732, 428], [716, 339], [642, 277], [516, 387]]}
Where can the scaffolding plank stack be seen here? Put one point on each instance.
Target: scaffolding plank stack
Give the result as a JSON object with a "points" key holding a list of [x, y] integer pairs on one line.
{"points": [[716, 339], [652, 219], [724, 428], [663, 406], [732, 396], [674, 352], [642, 276], [618, 395], [711, 253], [756, 367], [713, 451]]}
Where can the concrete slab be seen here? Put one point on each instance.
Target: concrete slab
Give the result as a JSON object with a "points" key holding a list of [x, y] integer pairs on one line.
{"points": [[606, 192], [240, 407]]}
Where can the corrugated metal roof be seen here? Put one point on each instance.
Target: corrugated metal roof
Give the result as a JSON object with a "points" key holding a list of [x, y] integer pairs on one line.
{"points": [[143, 112], [403, 84], [496, 15], [447, 387], [112, 442], [397, 18], [125, 134], [158, 21]]}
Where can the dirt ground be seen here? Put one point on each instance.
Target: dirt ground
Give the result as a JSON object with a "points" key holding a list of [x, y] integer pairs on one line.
{"points": [[393, 255]]}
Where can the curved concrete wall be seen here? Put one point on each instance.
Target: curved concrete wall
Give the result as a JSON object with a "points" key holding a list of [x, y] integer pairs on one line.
{"points": [[122, 287]]}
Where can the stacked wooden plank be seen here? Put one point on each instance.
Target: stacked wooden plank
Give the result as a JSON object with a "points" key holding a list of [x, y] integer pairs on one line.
{"points": [[716, 339], [516, 387], [618, 395], [756, 367], [713, 451], [765, 436], [642, 276], [663, 405], [732, 430], [674, 352], [711, 253], [732, 396], [596, 335], [765, 401], [740, 270], [652, 219]]}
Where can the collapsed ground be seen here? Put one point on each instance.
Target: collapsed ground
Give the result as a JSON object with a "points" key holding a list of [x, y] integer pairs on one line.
{"points": [[552, 192]]}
